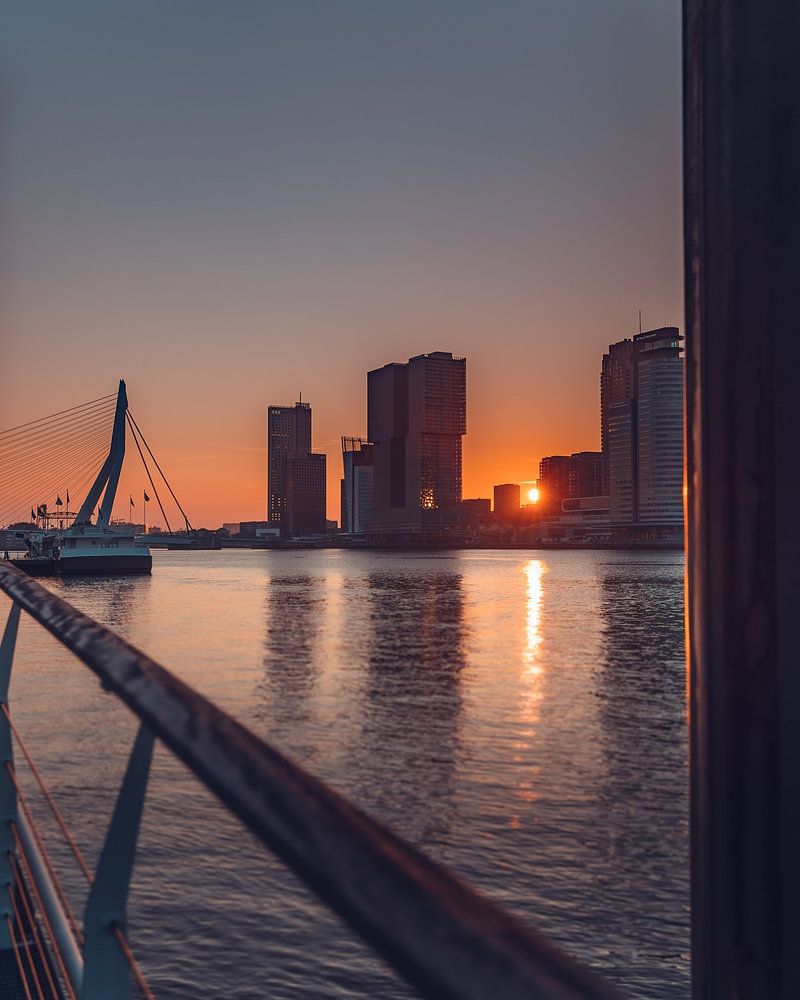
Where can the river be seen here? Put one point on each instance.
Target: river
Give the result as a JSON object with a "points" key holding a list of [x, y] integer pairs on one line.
{"points": [[518, 715]]}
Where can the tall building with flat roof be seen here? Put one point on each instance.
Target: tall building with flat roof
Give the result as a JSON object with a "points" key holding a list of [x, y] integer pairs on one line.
{"points": [[553, 483], [660, 427], [617, 375], [357, 484], [416, 418], [507, 499], [642, 434], [295, 476], [586, 474]]}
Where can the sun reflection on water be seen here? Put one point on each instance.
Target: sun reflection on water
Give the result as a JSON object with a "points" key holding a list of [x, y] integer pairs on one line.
{"points": [[534, 571], [531, 682]]}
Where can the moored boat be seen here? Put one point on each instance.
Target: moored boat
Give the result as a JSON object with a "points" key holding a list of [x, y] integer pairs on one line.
{"points": [[85, 548]]}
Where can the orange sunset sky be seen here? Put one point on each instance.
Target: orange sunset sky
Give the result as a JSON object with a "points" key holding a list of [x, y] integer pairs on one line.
{"points": [[230, 206]]}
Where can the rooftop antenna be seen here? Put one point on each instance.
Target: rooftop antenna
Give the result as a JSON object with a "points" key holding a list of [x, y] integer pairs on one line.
{"points": [[640, 321]]}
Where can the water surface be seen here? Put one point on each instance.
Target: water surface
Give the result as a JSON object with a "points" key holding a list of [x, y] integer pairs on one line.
{"points": [[518, 715]]}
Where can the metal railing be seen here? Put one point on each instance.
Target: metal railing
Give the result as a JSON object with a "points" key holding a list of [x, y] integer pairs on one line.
{"points": [[439, 935]]}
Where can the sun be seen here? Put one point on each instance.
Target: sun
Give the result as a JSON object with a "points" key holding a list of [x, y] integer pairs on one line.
{"points": [[533, 494]]}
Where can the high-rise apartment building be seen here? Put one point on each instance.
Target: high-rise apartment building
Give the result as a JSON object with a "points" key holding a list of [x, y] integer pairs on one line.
{"points": [[564, 477], [357, 484], [507, 499], [416, 418], [616, 386], [642, 433], [295, 476], [586, 474], [554, 472]]}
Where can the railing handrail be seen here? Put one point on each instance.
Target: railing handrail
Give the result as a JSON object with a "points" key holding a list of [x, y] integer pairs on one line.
{"points": [[441, 936]]}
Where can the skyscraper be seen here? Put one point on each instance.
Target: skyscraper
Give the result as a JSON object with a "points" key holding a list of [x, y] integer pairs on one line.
{"points": [[642, 434], [507, 499], [616, 386], [553, 483], [295, 476], [585, 474], [357, 492], [416, 417]]}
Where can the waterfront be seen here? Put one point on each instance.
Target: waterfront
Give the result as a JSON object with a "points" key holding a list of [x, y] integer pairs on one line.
{"points": [[519, 715]]}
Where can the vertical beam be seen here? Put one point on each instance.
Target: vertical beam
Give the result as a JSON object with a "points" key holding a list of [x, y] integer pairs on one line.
{"points": [[8, 795], [106, 970], [742, 261]]}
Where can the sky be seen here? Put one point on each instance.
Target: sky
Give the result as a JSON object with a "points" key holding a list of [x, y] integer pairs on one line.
{"points": [[230, 203]]}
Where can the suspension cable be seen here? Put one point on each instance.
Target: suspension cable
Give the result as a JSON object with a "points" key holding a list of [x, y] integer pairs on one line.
{"points": [[149, 477], [155, 460], [52, 416], [10, 446]]}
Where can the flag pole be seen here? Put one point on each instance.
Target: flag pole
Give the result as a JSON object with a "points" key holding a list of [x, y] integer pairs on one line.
{"points": [[144, 510]]}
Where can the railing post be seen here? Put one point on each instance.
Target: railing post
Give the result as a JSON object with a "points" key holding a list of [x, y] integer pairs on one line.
{"points": [[106, 969], [8, 795]]}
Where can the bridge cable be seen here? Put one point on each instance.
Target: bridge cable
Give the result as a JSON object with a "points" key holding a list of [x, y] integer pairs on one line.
{"points": [[86, 422], [24, 499], [20, 427], [189, 528], [149, 477]]}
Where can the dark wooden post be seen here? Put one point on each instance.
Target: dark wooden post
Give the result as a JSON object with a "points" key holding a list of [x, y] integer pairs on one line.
{"points": [[742, 243]]}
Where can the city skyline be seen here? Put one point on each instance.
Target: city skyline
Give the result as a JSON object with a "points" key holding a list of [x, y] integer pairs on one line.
{"points": [[284, 201], [132, 480]]}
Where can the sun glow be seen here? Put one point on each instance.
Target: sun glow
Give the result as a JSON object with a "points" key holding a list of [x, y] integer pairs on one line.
{"points": [[533, 494]]}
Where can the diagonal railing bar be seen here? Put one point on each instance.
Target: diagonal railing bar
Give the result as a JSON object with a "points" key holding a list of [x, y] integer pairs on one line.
{"points": [[106, 968], [441, 936], [116, 929]]}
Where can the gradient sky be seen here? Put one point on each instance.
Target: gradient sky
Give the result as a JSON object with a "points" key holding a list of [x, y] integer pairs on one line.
{"points": [[228, 203]]}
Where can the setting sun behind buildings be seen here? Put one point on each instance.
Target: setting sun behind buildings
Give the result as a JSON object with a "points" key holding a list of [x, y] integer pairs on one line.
{"points": [[533, 494]]}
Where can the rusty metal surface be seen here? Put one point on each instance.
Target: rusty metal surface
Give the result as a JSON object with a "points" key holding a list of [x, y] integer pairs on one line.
{"points": [[442, 937]]}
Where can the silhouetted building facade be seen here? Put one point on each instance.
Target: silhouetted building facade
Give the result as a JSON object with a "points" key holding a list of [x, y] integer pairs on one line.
{"points": [[642, 434], [295, 476], [586, 474], [554, 473], [357, 484], [416, 418], [480, 505], [506, 500]]}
